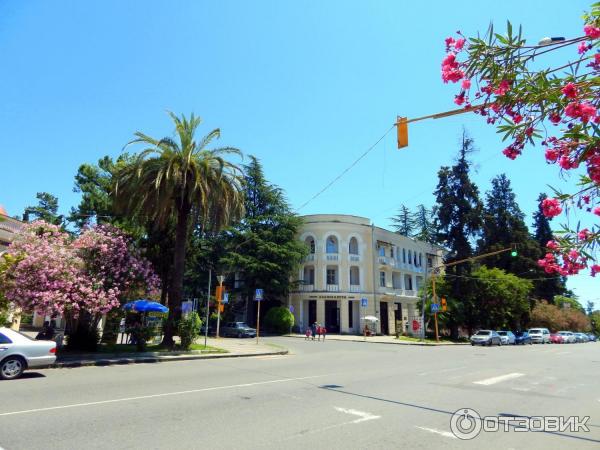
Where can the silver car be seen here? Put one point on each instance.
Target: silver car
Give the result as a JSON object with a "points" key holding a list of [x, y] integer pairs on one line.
{"points": [[540, 335], [19, 352], [486, 337], [508, 338], [568, 337]]}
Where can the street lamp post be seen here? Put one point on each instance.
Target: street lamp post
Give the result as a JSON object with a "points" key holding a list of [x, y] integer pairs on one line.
{"points": [[220, 279], [207, 307]]}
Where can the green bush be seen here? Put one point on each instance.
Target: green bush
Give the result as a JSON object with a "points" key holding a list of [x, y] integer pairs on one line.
{"points": [[279, 320], [189, 329], [141, 334]]}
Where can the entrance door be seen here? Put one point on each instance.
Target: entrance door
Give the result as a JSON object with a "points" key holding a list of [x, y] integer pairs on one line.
{"points": [[312, 312], [398, 318], [332, 316], [383, 308]]}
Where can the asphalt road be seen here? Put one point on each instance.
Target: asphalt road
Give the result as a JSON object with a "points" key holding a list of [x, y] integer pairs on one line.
{"points": [[347, 395]]}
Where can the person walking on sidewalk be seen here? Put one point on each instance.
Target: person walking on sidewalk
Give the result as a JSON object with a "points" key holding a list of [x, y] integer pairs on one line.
{"points": [[308, 334], [313, 329], [323, 332]]}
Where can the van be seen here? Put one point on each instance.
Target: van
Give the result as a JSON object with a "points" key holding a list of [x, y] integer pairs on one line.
{"points": [[539, 335]]}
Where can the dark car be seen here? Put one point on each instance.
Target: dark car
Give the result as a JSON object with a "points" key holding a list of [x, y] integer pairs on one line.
{"points": [[592, 337], [522, 337], [237, 329], [486, 337]]}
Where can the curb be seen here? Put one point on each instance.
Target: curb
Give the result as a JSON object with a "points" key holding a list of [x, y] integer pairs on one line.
{"points": [[156, 359], [419, 344]]}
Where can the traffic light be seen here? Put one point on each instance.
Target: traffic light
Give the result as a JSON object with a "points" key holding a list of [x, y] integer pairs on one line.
{"points": [[219, 293], [514, 253], [444, 305], [402, 129]]}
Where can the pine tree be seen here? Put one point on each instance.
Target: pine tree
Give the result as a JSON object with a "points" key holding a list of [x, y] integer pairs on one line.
{"points": [[403, 223], [423, 224], [458, 223], [263, 248], [46, 210], [504, 226]]}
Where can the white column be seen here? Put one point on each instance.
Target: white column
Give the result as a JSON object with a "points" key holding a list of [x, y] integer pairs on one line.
{"points": [[344, 326]]}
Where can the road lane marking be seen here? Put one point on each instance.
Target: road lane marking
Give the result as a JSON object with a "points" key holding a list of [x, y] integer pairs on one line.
{"points": [[364, 416], [442, 371], [441, 433], [165, 394], [494, 380], [563, 353]]}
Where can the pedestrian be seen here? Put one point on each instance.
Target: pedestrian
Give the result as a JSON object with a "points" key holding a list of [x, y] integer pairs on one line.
{"points": [[319, 328], [308, 334], [313, 329], [323, 332]]}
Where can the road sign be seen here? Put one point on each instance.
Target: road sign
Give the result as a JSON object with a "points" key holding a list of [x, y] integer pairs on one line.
{"points": [[435, 307], [364, 302], [416, 325], [259, 295], [186, 307], [226, 297], [291, 309]]}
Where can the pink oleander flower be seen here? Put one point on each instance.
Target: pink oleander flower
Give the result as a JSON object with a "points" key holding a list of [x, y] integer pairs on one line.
{"points": [[583, 111], [591, 31], [570, 90], [551, 207], [552, 245], [584, 234], [466, 84], [594, 269], [502, 88], [582, 48]]}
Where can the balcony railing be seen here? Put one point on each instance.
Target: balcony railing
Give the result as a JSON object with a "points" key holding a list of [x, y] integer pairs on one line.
{"points": [[307, 287], [382, 260], [354, 257], [410, 293], [310, 257], [355, 288], [332, 256], [333, 288]]}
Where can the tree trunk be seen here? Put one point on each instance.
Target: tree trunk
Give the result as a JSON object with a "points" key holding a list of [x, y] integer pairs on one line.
{"points": [[176, 287]]}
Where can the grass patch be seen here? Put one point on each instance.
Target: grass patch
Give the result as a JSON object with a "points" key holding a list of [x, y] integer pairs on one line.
{"points": [[130, 348], [415, 339], [207, 348]]}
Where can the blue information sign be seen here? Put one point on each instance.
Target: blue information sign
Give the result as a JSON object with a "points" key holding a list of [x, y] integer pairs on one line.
{"points": [[435, 307], [225, 298], [259, 295], [364, 302], [291, 309]]}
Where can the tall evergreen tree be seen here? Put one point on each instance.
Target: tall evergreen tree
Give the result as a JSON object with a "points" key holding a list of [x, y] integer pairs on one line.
{"points": [[503, 226], [458, 223], [46, 210], [263, 249], [423, 219], [550, 285], [403, 223]]}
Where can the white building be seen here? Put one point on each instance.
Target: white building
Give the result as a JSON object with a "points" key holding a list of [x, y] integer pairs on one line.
{"points": [[351, 261]]}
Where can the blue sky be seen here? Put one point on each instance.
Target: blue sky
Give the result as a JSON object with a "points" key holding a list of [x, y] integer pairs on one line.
{"points": [[306, 86]]}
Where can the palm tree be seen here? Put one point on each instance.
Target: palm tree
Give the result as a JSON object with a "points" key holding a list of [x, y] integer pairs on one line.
{"points": [[185, 182]]}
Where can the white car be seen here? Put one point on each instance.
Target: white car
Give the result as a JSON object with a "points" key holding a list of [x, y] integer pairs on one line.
{"points": [[508, 338], [19, 352], [539, 335], [568, 337]]}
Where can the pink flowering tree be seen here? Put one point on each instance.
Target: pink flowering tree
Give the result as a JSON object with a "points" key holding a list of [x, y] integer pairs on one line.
{"points": [[556, 107], [81, 278]]}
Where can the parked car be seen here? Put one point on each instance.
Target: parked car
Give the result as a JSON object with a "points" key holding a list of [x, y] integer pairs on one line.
{"points": [[237, 329], [581, 337], [507, 337], [556, 338], [486, 337], [522, 337], [568, 337], [539, 335], [19, 352], [593, 337]]}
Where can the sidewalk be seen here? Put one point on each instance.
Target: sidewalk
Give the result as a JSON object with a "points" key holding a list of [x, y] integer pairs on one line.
{"points": [[380, 340], [231, 348]]}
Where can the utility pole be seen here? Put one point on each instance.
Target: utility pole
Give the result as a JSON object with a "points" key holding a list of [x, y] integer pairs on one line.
{"points": [[220, 279], [207, 307]]}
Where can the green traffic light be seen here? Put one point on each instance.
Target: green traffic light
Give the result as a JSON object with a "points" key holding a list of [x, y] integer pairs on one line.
{"points": [[513, 253]]}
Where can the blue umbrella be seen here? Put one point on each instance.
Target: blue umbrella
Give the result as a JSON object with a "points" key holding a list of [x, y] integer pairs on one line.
{"points": [[145, 306]]}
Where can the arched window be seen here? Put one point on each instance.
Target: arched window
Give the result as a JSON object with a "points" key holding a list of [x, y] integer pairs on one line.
{"points": [[415, 258], [331, 245], [354, 276], [404, 255], [410, 256], [310, 242], [420, 259], [353, 246]]}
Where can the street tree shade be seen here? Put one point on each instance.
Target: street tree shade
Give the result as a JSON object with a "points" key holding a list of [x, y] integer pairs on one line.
{"points": [[181, 180]]}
